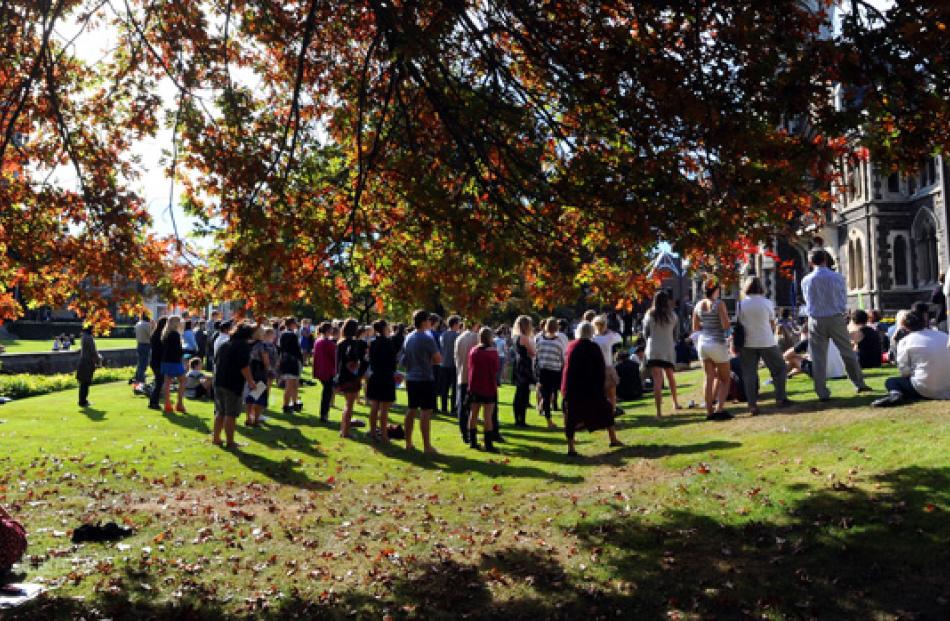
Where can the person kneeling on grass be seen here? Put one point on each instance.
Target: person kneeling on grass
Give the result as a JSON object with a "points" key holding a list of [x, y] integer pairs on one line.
{"points": [[197, 384], [924, 363], [232, 366]]}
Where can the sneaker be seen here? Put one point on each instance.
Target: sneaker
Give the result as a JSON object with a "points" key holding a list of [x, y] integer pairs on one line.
{"points": [[298, 407], [891, 400], [865, 388], [720, 416]]}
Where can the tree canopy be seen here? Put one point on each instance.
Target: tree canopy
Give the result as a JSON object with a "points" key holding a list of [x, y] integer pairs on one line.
{"points": [[455, 151]]}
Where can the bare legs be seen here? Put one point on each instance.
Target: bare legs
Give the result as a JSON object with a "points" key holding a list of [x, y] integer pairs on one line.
{"points": [[291, 391], [379, 416], [350, 399], [227, 424], [425, 417], [167, 389]]}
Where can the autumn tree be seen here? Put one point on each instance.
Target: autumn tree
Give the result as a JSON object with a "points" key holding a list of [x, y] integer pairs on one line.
{"points": [[423, 152]]}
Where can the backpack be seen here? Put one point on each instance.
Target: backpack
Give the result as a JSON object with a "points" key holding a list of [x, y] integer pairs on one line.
{"points": [[12, 541]]}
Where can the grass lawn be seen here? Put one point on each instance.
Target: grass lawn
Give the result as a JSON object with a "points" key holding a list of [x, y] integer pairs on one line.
{"points": [[28, 346], [838, 512]]}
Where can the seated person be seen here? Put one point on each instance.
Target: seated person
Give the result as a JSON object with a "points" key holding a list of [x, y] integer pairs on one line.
{"points": [[796, 357], [57, 344], [685, 353], [899, 332], [630, 386], [924, 362], [197, 384], [785, 333], [865, 341]]}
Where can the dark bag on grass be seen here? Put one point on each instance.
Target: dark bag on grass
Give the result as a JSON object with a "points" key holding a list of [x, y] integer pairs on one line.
{"points": [[395, 432], [12, 541]]}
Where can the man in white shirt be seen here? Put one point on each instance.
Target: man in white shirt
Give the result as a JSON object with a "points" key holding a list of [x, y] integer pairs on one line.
{"points": [[462, 345], [924, 362]]}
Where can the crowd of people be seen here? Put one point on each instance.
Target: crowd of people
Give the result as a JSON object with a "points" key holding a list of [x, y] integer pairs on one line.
{"points": [[455, 366]]}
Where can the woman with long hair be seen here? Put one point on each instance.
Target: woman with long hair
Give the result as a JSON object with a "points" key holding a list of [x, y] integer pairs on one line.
{"points": [[525, 352], [381, 386], [711, 320], [172, 365], [351, 366], [660, 329], [482, 388], [155, 363]]}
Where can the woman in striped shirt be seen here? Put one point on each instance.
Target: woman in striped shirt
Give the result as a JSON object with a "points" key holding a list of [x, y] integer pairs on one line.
{"points": [[550, 362], [711, 319]]}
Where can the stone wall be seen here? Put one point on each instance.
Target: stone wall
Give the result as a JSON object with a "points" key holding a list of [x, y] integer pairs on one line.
{"points": [[47, 363]]}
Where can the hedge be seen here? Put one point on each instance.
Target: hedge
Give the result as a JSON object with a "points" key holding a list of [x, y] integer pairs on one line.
{"points": [[48, 330], [23, 385]]}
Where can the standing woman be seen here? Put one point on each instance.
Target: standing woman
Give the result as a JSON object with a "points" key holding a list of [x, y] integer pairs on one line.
{"points": [[260, 367], [758, 320], [291, 364], [155, 363], [550, 364], [585, 404], [482, 387], [525, 352], [381, 387], [606, 338], [711, 319], [350, 367], [324, 366], [172, 366], [660, 330], [89, 359]]}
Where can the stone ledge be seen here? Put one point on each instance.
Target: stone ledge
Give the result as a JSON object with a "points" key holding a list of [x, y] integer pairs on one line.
{"points": [[48, 363]]}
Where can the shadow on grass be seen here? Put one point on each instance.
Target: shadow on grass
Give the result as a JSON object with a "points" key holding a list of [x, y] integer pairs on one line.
{"points": [[842, 555]]}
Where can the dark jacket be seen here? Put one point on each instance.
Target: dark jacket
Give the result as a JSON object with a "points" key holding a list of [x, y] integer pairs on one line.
{"points": [[89, 359]]}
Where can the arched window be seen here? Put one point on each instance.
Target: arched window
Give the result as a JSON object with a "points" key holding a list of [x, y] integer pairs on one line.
{"points": [[900, 261], [852, 272], [859, 263], [925, 245]]}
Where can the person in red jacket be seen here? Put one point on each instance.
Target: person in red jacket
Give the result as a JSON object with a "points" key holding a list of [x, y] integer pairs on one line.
{"points": [[483, 365], [324, 366]]}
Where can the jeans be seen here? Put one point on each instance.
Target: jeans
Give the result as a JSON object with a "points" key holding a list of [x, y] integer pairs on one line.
{"points": [[326, 397], [904, 386], [463, 409], [820, 331], [155, 396], [447, 392], [772, 356], [84, 392], [144, 351], [520, 405]]}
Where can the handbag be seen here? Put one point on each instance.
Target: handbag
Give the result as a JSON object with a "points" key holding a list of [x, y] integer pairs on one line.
{"points": [[738, 330]]}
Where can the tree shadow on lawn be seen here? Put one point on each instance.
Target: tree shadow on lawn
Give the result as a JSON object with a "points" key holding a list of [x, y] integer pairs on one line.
{"points": [[843, 554], [460, 464], [600, 454]]}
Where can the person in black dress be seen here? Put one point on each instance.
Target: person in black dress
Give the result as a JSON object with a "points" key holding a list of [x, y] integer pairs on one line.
{"points": [[290, 365], [351, 363], [155, 363], [381, 388]]}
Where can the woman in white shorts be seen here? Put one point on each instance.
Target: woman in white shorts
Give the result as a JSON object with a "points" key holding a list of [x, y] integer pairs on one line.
{"points": [[711, 319]]}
